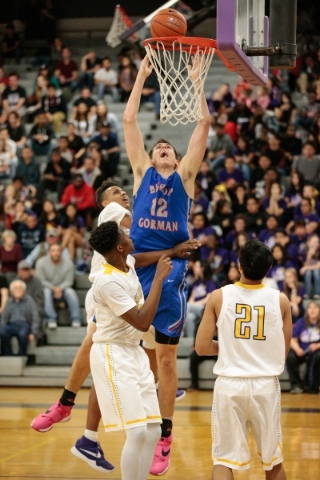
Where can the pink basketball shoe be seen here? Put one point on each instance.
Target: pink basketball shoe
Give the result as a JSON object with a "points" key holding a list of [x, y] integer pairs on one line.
{"points": [[55, 414], [161, 459]]}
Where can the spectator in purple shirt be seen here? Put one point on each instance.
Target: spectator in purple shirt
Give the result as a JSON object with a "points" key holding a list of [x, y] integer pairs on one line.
{"points": [[311, 267], [218, 259], [230, 175], [300, 237], [293, 194], [295, 293], [307, 214], [292, 251], [275, 203], [255, 216], [200, 231], [223, 216], [305, 348], [206, 178], [281, 263], [267, 235], [241, 239], [200, 201], [240, 226], [200, 292]]}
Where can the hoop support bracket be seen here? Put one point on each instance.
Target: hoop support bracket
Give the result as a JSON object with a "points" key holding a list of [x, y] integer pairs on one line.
{"points": [[276, 49]]}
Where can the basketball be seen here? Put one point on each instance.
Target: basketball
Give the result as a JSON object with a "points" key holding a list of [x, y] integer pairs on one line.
{"points": [[168, 23]]}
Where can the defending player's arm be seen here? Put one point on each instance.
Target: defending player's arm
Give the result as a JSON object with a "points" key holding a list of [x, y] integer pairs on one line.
{"points": [[182, 250], [141, 318], [287, 320], [204, 344], [139, 159]]}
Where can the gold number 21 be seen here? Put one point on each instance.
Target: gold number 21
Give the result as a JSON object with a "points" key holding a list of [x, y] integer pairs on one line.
{"points": [[244, 331]]}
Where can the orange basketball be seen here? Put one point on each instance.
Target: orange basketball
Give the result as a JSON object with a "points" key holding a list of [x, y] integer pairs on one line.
{"points": [[168, 22]]}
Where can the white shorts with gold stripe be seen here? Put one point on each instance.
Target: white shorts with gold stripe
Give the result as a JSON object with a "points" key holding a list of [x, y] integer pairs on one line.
{"points": [[240, 404], [125, 386]]}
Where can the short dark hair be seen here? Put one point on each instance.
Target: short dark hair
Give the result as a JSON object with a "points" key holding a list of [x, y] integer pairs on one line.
{"points": [[51, 85], [163, 140], [310, 143], [251, 196], [100, 192], [14, 74], [105, 237], [255, 259], [204, 218]]}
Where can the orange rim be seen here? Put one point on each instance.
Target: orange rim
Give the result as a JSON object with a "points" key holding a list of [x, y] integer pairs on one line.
{"points": [[168, 43]]}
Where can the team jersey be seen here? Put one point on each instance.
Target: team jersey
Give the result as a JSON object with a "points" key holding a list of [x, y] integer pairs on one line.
{"points": [[115, 293], [114, 212], [159, 219], [250, 332]]}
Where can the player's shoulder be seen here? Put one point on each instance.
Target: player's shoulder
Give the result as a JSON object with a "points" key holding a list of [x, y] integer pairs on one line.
{"points": [[110, 211]]}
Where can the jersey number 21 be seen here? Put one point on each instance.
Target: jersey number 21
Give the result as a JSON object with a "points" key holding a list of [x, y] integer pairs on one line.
{"points": [[242, 327]]}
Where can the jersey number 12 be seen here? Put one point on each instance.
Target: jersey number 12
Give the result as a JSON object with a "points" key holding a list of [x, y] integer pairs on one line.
{"points": [[241, 329]]}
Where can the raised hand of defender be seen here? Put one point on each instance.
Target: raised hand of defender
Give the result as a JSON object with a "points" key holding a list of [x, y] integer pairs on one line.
{"points": [[145, 67], [164, 267], [182, 250]]}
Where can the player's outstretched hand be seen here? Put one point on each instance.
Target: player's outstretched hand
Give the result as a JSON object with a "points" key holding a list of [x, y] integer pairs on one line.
{"points": [[182, 250], [145, 67], [164, 267]]}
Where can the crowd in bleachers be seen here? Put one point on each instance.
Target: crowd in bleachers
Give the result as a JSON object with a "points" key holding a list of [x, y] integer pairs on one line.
{"points": [[260, 177]]}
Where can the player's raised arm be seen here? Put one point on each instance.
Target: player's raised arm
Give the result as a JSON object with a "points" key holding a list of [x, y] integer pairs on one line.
{"points": [[190, 164], [204, 344], [141, 318], [139, 159]]}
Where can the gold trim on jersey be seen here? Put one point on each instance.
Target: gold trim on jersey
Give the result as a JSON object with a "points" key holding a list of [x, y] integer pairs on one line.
{"points": [[249, 287], [109, 269]]}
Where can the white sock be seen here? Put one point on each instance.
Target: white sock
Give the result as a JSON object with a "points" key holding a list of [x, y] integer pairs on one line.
{"points": [[153, 436], [91, 435], [132, 453]]}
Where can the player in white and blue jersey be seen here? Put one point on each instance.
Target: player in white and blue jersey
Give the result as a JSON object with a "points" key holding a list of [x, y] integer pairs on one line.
{"points": [[163, 193]]}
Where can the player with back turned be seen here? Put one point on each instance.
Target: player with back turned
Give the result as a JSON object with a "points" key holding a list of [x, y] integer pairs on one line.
{"points": [[254, 330]]}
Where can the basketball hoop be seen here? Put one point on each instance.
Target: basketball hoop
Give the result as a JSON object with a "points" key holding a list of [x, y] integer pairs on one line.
{"points": [[173, 59], [121, 22]]}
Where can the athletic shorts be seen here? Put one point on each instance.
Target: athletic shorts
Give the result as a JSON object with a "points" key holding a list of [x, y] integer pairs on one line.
{"points": [[171, 312], [89, 306], [125, 386], [237, 404]]}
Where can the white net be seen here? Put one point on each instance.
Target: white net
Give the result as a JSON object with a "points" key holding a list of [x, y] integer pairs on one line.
{"points": [[181, 73], [121, 22]]}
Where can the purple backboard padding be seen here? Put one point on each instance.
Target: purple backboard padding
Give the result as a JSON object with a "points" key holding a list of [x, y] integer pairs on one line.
{"points": [[226, 33], [266, 42]]}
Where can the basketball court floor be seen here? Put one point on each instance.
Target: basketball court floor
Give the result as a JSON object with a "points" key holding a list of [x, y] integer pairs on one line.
{"points": [[26, 454]]}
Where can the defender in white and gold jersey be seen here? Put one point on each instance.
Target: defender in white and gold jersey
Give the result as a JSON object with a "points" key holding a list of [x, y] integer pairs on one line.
{"points": [[120, 368], [254, 330]]}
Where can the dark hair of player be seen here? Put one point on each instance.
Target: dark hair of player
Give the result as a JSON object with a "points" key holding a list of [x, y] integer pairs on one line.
{"points": [[105, 237], [162, 140], [100, 193], [255, 259]]}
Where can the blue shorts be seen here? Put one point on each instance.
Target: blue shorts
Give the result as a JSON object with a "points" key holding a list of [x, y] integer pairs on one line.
{"points": [[171, 312]]}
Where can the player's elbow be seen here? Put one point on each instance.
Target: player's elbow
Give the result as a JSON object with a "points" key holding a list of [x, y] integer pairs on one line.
{"points": [[200, 348], [129, 117]]}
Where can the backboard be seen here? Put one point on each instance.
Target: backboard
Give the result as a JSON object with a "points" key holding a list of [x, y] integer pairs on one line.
{"points": [[241, 24]]}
